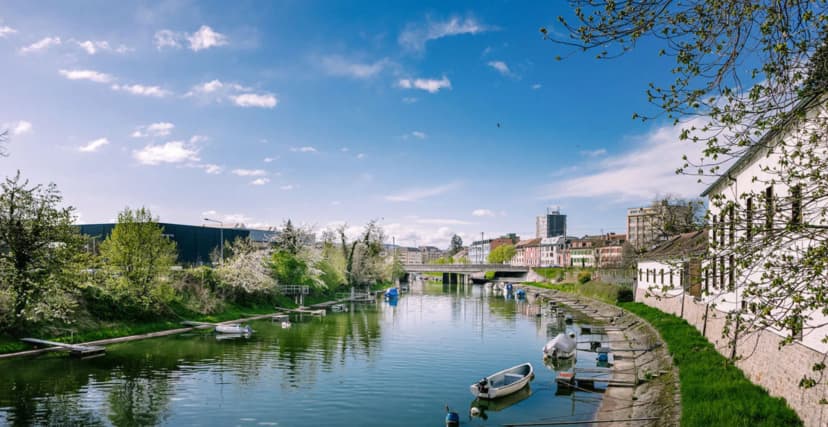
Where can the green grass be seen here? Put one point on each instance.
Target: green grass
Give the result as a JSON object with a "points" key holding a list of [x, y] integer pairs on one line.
{"points": [[714, 392], [605, 292]]}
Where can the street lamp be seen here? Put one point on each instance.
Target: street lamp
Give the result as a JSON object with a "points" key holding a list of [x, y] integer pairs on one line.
{"points": [[221, 238]]}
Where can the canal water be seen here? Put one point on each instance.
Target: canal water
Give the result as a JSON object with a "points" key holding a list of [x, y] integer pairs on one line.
{"points": [[376, 365]]}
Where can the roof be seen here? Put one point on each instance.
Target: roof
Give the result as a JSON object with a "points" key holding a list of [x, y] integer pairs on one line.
{"points": [[757, 147], [690, 244]]}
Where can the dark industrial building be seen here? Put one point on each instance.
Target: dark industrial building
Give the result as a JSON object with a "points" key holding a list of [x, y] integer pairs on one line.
{"points": [[550, 225], [194, 242]]}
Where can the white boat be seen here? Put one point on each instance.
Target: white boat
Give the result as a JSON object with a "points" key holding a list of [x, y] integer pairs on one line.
{"points": [[339, 308], [560, 347], [503, 383], [286, 325], [233, 328]]}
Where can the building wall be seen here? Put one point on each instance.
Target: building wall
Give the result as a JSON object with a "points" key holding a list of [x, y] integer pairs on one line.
{"points": [[644, 224]]}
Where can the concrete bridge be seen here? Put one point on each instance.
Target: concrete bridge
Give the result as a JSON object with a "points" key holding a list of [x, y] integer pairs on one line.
{"points": [[466, 273]]}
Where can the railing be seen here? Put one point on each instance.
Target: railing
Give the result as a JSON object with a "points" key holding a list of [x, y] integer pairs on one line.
{"points": [[294, 289]]}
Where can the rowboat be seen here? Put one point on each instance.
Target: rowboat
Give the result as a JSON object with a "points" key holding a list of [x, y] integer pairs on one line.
{"points": [[339, 308], [503, 383], [560, 347], [233, 328]]}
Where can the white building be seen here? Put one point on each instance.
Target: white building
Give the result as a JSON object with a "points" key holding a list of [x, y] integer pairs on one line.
{"points": [[479, 251], [553, 252]]}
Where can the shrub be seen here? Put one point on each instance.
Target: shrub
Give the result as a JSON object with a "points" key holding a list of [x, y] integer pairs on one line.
{"points": [[584, 276], [625, 295]]}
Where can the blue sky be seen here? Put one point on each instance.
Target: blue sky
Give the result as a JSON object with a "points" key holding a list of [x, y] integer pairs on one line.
{"points": [[331, 112]]}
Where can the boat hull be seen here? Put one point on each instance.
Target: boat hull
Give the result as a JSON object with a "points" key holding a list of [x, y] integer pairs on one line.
{"points": [[233, 329], [504, 383]]}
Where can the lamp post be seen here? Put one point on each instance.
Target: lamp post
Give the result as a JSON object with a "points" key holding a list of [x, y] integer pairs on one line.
{"points": [[221, 238]]}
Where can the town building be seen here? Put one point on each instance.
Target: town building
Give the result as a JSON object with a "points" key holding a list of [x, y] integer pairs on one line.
{"points": [[581, 253], [751, 204], [479, 250], [551, 224], [527, 253], [410, 255], [554, 252], [609, 250], [646, 225], [430, 253]]}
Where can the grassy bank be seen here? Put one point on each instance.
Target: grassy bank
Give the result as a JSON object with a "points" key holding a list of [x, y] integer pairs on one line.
{"points": [[605, 292], [713, 391]]}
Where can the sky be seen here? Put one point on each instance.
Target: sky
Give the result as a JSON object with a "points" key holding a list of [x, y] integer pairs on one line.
{"points": [[432, 117]]}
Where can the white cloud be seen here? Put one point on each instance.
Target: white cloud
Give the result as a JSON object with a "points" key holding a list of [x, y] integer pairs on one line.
{"points": [[6, 30], [641, 173], [501, 67], [137, 89], [409, 100], [594, 153], [195, 139], [41, 44], [19, 128], [249, 172], [90, 75], [171, 152], [344, 149], [418, 134], [415, 194], [255, 100], [206, 38], [209, 87], [260, 181], [166, 38], [287, 187], [415, 37], [154, 130], [305, 149], [212, 169], [93, 47], [93, 146], [269, 159], [337, 65], [428, 85], [536, 86], [483, 212], [360, 156]]}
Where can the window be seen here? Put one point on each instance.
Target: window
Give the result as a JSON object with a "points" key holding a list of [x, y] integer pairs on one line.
{"points": [[731, 217], [722, 229], [662, 275], [722, 271], [796, 330], [671, 278], [640, 274], [769, 211], [713, 229], [796, 205], [715, 276], [731, 273], [706, 280], [749, 218]]}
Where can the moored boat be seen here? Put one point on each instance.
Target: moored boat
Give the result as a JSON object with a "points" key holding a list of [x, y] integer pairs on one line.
{"points": [[560, 347], [503, 383], [233, 328]]}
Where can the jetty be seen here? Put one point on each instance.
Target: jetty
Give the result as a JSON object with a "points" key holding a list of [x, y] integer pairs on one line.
{"points": [[75, 350]]}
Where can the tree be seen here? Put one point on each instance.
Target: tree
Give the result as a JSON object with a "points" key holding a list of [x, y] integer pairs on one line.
{"points": [[502, 254], [456, 245], [362, 256], [293, 239], [40, 254], [138, 257], [745, 72], [247, 270]]}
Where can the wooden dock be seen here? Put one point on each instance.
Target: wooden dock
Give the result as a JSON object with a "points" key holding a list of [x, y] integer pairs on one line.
{"points": [[79, 351]]}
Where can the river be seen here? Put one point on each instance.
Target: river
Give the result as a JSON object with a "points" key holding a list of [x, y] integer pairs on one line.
{"points": [[376, 365]]}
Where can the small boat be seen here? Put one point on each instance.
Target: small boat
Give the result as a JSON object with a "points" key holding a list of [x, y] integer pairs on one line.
{"points": [[392, 293], [233, 328], [286, 324], [483, 406], [339, 308], [560, 347], [520, 294], [503, 383]]}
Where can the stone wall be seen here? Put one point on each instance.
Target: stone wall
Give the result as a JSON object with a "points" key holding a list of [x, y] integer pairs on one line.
{"points": [[763, 362]]}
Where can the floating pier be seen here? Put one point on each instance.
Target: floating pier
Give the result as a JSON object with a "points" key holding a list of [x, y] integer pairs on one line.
{"points": [[79, 351]]}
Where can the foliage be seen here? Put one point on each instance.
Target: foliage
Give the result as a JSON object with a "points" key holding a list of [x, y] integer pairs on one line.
{"points": [[247, 270], [456, 245], [750, 78], [137, 259], [489, 275], [605, 292], [40, 254], [713, 391], [502, 254], [626, 294], [362, 256], [584, 276], [293, 239], [290, 269]]}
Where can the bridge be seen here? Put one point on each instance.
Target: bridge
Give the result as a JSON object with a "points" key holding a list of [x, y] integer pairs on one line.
{"points": [[464, 268], [462, 273]]}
